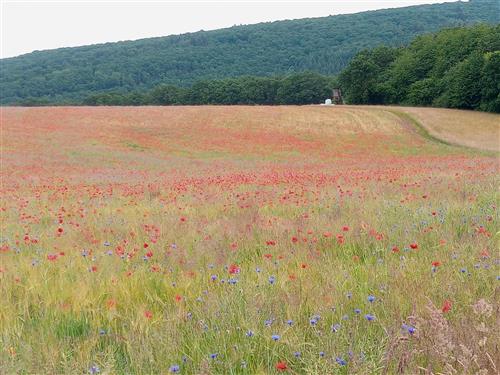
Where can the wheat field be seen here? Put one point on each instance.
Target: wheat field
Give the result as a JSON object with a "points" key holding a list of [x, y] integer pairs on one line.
{"points": [[249, 240]]}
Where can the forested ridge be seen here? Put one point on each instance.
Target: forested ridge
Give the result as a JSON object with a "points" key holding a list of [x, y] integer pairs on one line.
{"points": [[275, 49]]}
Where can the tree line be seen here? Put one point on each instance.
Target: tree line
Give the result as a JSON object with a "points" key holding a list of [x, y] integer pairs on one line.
{"points": [[299, 88], [454, 68]]}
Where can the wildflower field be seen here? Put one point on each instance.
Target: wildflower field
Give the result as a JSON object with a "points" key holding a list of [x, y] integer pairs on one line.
{"points": [[247, 240]]}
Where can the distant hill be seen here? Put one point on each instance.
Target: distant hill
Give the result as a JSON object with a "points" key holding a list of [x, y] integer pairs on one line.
{"points": [[324, 45]]}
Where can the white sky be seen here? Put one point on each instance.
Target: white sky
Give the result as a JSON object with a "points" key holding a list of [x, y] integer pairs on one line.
{"points": [[37, 25]]}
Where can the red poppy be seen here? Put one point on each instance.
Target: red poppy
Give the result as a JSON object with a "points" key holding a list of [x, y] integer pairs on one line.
{"points": [[345, 228], [270, 243], [281, 366], [148, 314], [178, 298], [446, 306], [233, 268], [395, 249], [60, 230], [149, 254], [145, 245], [414, 245], [268, 256], [295, 239], [340, 239], [436, 263]]}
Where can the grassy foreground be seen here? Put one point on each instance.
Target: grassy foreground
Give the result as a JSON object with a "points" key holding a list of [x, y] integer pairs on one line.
{"points": [[244, 240]]}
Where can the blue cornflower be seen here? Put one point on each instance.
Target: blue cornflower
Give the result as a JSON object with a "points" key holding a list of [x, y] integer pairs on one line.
{"points": [[370, 317], [232, 281], [250, 333], [296, 354], [102, 332], [174, 369], [257, 270], [214, 355], [94, 369], [268, 322], [463, 270], [213, 277], [410, 329], [321, 354], [357, 311], [107, 243], [272, 279], [371, 298], [349, 295], [289, 322], [275, 337], [341, 361]]}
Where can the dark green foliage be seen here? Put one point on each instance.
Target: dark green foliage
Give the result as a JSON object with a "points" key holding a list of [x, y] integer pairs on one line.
{"points": [[456, 68], [299, 88], [324, 45], [371, 65], [304, 88], [490, 83]]}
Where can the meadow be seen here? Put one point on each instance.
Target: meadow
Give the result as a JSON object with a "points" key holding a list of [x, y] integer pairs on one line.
{"points": [[249, 240]]}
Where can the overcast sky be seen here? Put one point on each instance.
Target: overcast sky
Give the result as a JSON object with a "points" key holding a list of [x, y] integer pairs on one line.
{"points": [[37, 25]]}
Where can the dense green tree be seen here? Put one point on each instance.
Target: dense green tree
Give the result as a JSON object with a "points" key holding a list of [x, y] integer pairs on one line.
{"points": [[457, 68], [463, 84], [371, 65], [490, 83], [304, 88], [167, 94]]}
